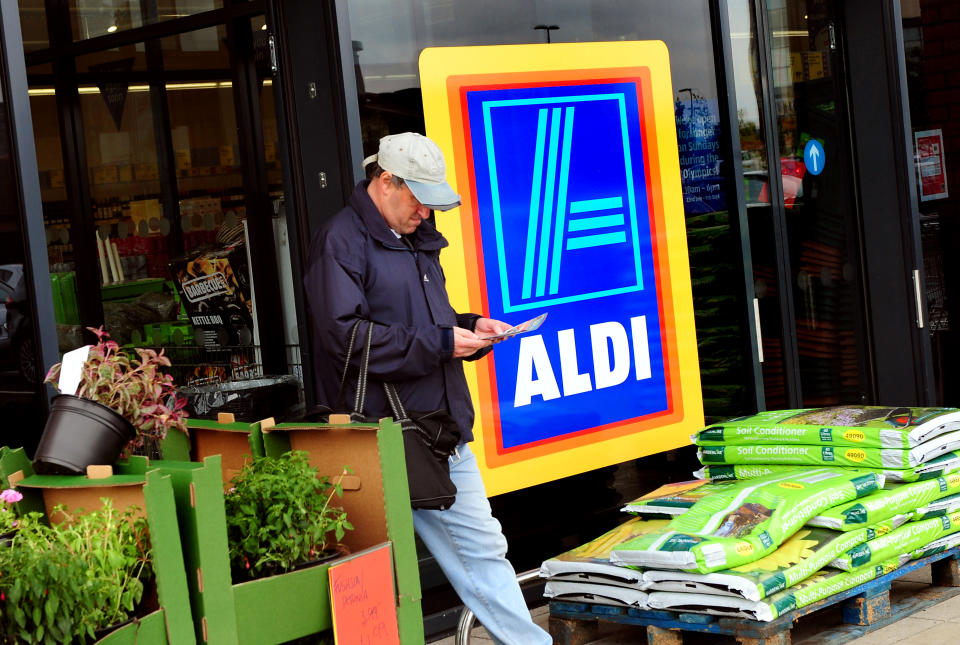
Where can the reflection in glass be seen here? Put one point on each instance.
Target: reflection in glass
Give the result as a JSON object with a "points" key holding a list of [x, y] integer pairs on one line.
{"points": [[21, 371], [92, 18], [33, 25], [753, 146], [387, 39]]}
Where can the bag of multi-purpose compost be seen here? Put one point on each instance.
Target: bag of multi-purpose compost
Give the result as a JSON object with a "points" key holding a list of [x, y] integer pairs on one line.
{"points": [[673, 499], [938, 508], [803, 455], [593, 593], [937, 546], [818, 586], [740, 471], [591, 561], [848, 425], [895, 500], [745, 521], [806, 552], [910, 536]]}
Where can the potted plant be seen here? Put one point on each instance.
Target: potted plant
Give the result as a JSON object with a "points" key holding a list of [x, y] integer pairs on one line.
{"points": [[279, 515], [65, 583], [122, 402]]}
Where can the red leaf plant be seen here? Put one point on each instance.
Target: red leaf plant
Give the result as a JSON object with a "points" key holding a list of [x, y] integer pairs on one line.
{"points": [[133, 387]]}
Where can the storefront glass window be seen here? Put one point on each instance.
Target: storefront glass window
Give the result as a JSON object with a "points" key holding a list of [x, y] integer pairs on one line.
{"points": [[169, 172], [388, 37], [92, 18]]}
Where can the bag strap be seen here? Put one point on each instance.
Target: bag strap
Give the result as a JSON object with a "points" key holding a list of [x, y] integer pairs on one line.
{"points": [[396, 405], [351, 340], [361, 391]]}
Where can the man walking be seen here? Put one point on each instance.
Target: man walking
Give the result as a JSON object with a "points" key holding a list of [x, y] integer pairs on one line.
{"points": [[378, 259]]}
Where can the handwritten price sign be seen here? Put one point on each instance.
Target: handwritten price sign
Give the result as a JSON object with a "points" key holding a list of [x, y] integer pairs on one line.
{"points": [[362, 597]]}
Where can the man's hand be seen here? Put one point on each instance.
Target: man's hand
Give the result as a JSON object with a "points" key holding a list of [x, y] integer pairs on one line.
{"points": [[466, 343], [489, 327]]}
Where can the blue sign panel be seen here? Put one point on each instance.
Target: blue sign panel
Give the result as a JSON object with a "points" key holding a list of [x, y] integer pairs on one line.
{"points": [[566, 228], [813, 157]]}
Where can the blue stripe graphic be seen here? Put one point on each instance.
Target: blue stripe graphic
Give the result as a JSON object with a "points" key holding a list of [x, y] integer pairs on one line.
{"points": [[589, 223], [548, 202], [534, 203], [590, 205], [561, 201], [628, 167], [495, 190], [588, 241]]}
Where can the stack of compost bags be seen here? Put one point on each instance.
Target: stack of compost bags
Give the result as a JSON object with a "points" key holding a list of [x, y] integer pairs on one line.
{"points": [[904, 444], [756, 540], [585, 574]]}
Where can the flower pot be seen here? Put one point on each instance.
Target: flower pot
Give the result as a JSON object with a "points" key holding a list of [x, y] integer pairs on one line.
{"points": [[80, 433]]}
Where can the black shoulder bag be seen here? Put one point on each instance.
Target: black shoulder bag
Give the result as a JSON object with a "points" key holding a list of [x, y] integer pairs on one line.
{"points": [[429, 438]]}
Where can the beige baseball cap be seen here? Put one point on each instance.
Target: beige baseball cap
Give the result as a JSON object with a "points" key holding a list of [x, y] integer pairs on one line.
{"points": [[419, 162]]}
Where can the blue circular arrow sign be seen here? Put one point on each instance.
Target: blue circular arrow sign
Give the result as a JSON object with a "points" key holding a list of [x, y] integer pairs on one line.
{"points": [[813, 157]]}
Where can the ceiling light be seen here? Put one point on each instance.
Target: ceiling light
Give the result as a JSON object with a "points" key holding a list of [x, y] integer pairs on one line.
{"points": [[111, 29]]}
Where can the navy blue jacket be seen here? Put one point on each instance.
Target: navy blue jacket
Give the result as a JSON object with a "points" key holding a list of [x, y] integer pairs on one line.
{"points": [[358, 269]]}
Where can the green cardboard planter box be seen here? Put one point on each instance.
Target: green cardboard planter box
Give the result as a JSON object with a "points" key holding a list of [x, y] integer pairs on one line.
{"points": [[235, 442], [284, 607], [149, 489]]}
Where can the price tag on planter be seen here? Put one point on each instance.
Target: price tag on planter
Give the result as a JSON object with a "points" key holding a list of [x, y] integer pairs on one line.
{"points": [[71, 369], [362, 599]]}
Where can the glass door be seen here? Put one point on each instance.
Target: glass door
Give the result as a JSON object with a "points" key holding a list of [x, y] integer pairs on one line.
{"points": [[802, 202]]}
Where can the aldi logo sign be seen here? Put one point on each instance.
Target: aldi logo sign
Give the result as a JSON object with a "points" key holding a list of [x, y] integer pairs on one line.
{"points": [[571, 206], [579, 239]]}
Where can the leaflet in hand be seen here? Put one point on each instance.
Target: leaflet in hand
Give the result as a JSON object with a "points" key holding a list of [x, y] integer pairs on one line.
{"points": [[529, 325]]}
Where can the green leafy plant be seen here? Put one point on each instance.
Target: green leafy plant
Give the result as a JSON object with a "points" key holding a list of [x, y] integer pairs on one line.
{"points": [[279, 514], [135, 387], [64, 583]]}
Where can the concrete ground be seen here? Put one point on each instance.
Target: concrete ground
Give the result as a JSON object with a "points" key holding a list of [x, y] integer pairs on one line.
{"points": [[936, 625]]}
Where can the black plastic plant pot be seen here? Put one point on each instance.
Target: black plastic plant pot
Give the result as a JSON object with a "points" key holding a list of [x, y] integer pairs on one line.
{"points": [[80, 433]]}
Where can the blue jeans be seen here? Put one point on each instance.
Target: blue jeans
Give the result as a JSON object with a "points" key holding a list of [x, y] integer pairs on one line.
{"points": [[467, 542]]}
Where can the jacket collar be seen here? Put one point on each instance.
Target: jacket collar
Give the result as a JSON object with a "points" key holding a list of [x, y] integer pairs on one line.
{"points": [[426, 237]]}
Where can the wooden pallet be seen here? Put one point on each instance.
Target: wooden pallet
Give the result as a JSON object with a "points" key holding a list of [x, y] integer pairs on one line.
{"points": [[865, 608]]}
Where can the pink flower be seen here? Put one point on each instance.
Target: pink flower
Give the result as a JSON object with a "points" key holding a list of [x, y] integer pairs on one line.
{"points": [[10, 496]]}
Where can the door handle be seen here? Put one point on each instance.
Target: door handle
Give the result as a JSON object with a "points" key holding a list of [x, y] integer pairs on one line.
{"points": [[918, 299]]}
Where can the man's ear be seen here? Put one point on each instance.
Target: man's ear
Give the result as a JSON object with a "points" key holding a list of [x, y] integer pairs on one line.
{"points": [[384, 181]]}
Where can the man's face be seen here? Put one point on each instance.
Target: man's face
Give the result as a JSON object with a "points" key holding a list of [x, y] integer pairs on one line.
{"points": [[400, 209]]}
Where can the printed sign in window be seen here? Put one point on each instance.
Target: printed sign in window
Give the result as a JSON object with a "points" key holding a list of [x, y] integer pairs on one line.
{"points": [[931, 168]]}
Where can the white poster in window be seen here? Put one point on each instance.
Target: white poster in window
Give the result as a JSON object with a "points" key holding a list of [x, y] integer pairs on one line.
{"points": [[931, 164]]}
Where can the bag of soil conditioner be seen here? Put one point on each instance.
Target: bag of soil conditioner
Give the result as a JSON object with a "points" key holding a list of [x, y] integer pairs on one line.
{"points": [[817, 587], [942, 465], [895, 458], [849, 425], [806, 552], [896, 500], [673, 499], [745, 521], [595, 593], [591, 561], [907, 538]]}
